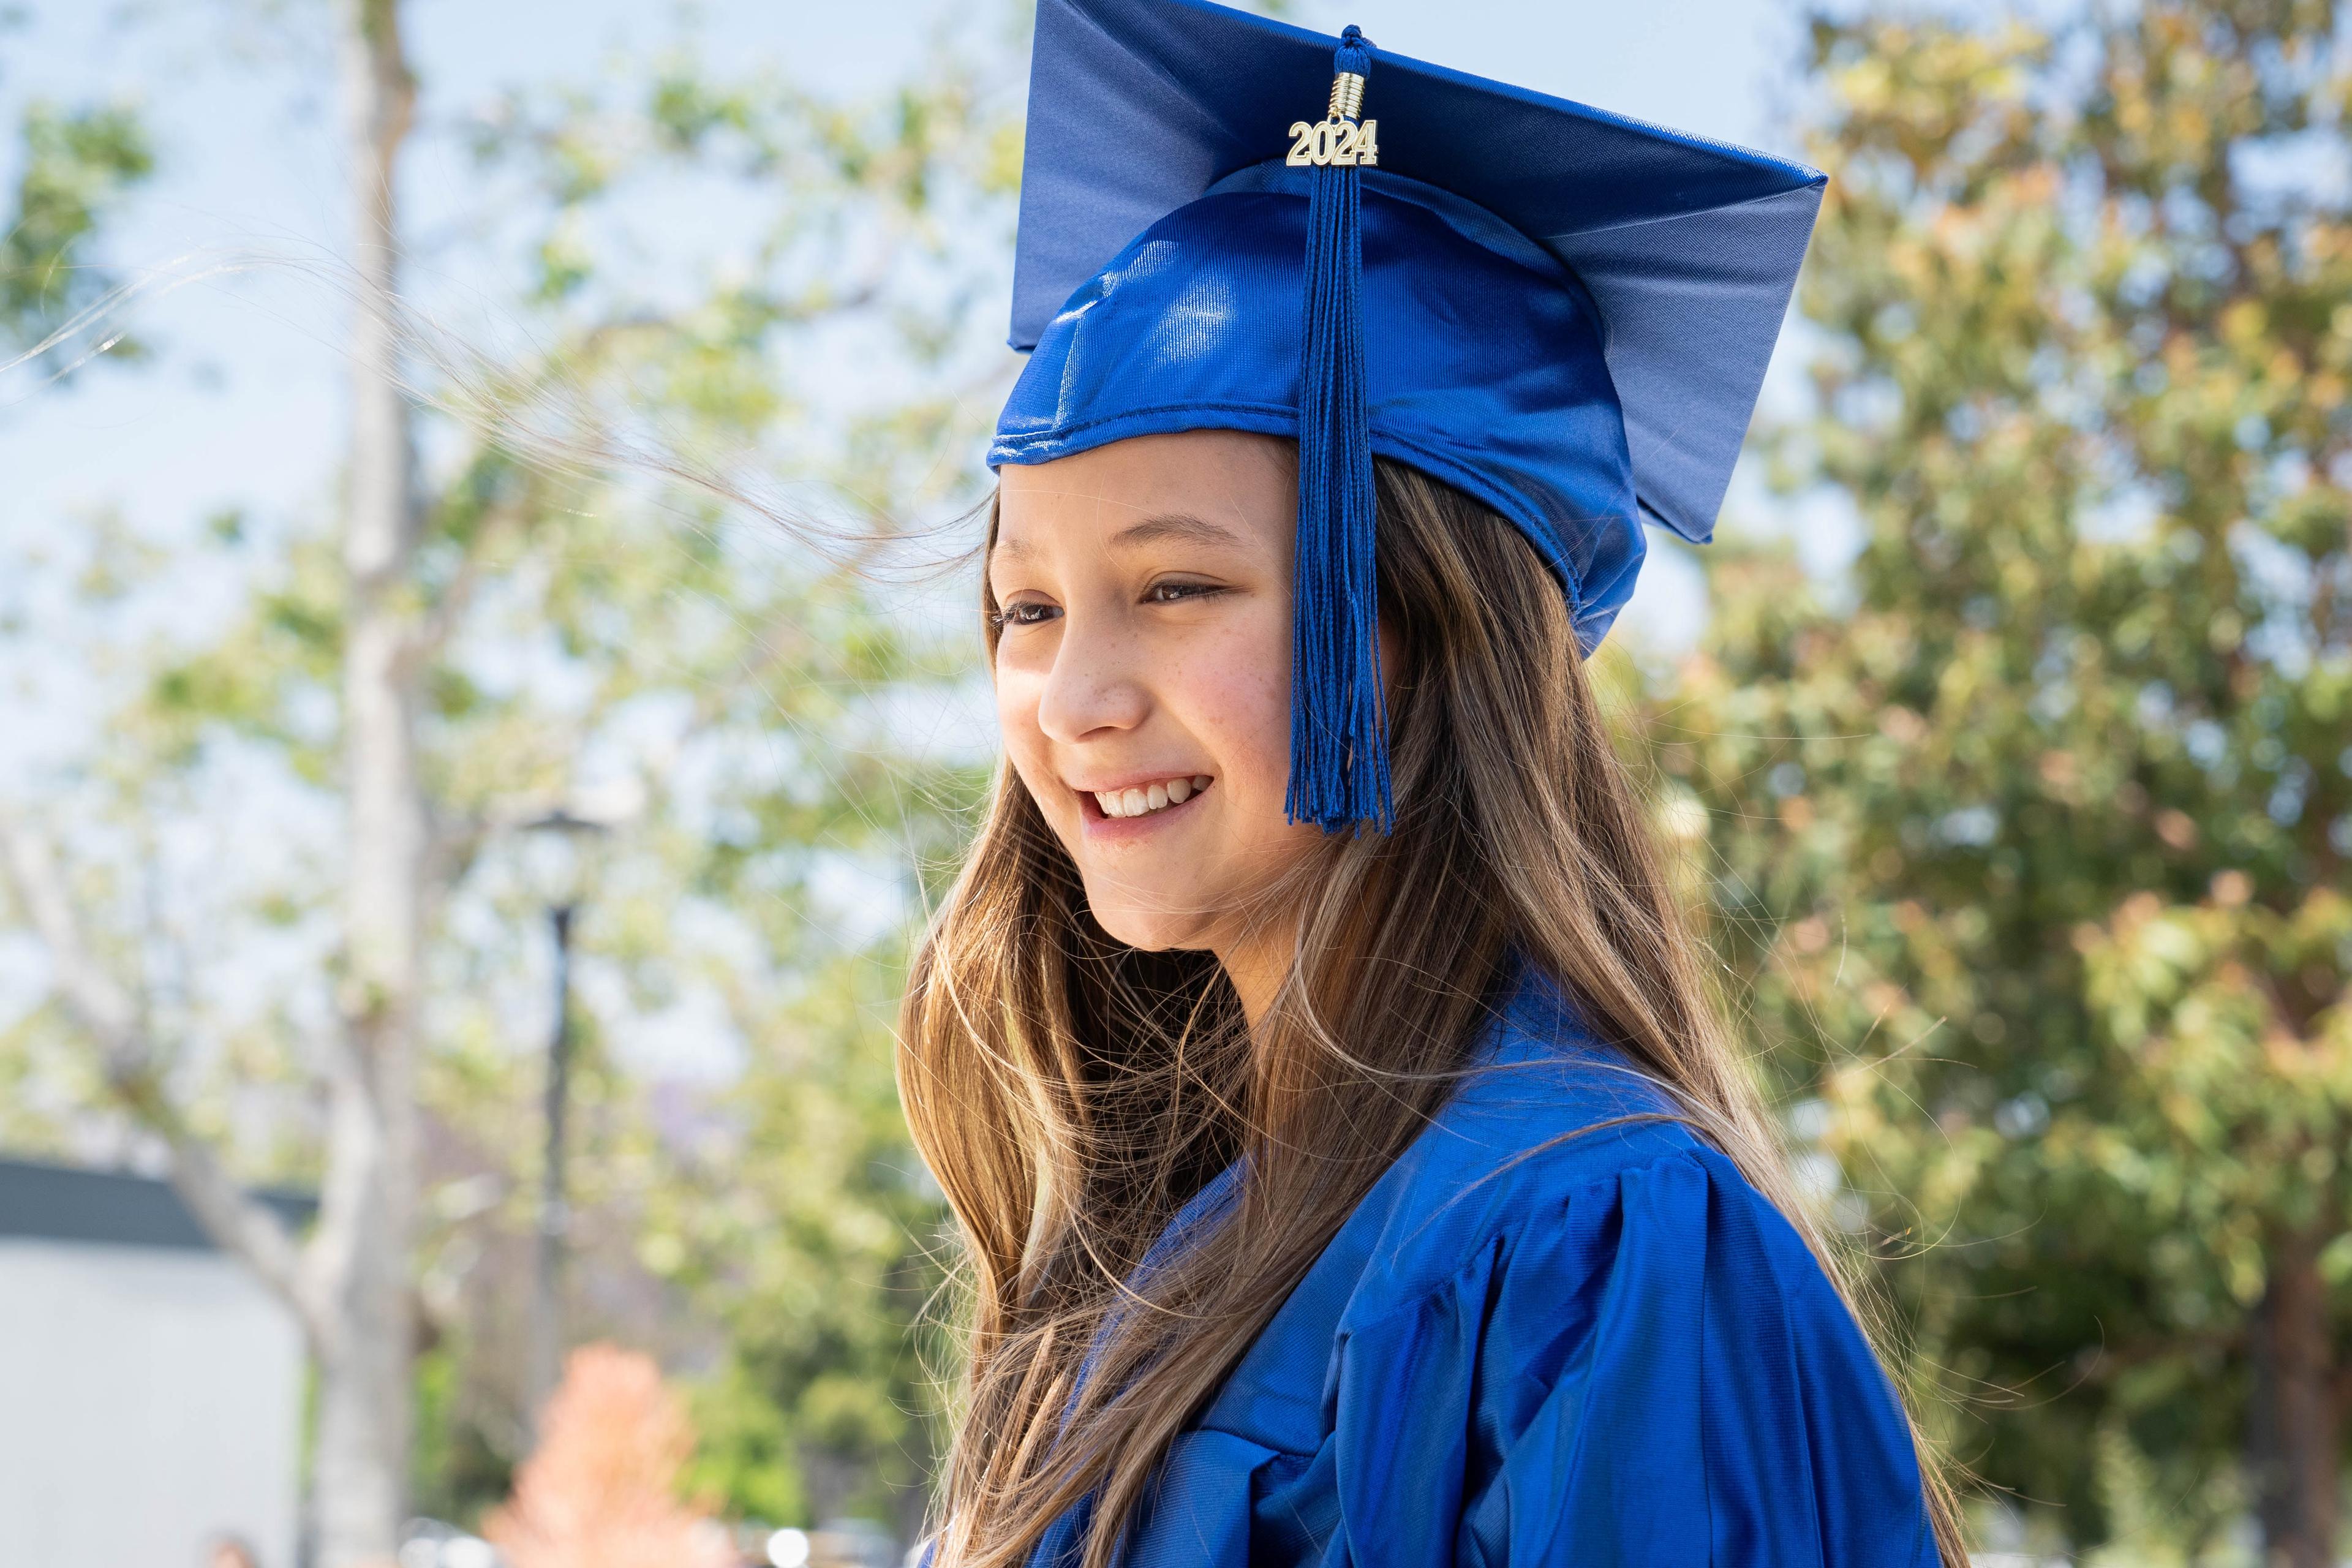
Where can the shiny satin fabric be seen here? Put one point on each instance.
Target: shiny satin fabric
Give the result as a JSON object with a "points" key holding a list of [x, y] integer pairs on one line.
{"points": [[1483, 361], [1544, 1340]]}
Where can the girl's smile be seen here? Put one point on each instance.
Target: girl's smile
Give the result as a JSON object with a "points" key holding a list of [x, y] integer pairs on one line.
{"points": [[1142, 803]]}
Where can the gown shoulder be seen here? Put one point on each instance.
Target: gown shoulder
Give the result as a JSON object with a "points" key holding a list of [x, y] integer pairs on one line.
{"points": [[1560, 1328]]}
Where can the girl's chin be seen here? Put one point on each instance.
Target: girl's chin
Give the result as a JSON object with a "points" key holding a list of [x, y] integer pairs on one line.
{"points": [[1148, 926]]}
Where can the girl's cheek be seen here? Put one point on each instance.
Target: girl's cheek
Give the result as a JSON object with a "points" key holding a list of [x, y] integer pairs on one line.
{"points": [[1246, 704], [1017, 691], [1260, 679], [1016, 723]]}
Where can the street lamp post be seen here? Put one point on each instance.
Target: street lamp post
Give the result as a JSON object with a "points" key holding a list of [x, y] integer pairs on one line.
{"points": [[558, 847]]}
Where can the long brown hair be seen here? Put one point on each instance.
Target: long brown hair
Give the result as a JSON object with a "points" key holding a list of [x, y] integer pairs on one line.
{"points": [[1071, 1092]]}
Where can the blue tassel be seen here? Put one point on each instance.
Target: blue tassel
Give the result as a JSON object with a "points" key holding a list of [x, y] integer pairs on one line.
{"points": [[1339, 721]]}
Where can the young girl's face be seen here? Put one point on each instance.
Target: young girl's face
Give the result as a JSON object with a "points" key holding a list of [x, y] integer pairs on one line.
{"points": [[1143, 674]]}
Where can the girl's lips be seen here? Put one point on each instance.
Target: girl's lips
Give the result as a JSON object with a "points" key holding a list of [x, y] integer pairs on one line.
{"points": [[1101, 825], [1149, 795]]}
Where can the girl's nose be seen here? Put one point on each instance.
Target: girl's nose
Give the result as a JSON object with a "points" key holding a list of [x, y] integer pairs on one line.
{"points": [[1093, 688]]}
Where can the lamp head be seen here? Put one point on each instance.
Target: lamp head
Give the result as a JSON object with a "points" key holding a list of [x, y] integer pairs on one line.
{"points": [[559, 852]]}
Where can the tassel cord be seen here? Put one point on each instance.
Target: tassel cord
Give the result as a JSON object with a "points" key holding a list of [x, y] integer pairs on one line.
{"points": [[1339, 738]]}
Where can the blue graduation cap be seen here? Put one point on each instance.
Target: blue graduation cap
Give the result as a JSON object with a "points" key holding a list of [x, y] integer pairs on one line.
{"points": [[1231, 223]]}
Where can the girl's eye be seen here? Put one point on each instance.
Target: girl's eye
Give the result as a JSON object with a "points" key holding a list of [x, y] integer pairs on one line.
{"points": [[1177, 592], [1027, 613]]}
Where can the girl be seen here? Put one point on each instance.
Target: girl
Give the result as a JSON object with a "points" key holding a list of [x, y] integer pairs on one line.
{"points": [[1351, 1166]]}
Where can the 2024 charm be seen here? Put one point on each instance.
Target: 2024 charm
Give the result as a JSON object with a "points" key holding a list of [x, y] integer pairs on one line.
{"points": [[1340, 142]]}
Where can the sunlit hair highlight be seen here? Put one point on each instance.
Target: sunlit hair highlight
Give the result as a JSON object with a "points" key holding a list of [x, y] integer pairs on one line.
{"points": [[1071, 1092]]}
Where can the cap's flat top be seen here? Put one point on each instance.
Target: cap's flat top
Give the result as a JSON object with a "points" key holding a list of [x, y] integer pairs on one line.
{"points": [[1138, 106]]}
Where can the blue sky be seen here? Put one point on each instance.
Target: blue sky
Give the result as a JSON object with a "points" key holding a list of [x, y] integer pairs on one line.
{"points": [[241, 406]]}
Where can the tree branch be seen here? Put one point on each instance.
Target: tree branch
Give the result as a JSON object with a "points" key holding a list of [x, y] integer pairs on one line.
{"points": [[440, 622], [106, 1012]]}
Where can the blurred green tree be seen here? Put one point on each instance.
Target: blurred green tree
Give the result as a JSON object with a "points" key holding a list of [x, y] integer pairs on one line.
{"points": [[2028, 840], [810, 1231], [73, 164], [277, 889]]}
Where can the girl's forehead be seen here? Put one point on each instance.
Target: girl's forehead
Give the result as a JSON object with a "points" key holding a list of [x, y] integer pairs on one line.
{"points": [[1208, 488]]}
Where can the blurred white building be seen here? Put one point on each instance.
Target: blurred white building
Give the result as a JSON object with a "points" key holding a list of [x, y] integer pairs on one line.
{"points": [[151, 1390]]}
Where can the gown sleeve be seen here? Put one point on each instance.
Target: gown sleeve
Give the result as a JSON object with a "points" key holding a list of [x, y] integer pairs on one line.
{"points": [[1650, 1370]]}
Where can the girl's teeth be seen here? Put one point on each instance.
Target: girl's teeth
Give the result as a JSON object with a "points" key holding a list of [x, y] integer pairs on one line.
{"points": [[1152, 798]]}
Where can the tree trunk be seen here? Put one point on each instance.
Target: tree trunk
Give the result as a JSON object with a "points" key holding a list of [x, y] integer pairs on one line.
{"points": [[360, 1473], [2294, 1440]]}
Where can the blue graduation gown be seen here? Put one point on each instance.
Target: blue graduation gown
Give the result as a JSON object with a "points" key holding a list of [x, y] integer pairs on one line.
{"points": [[1541, 1341]]}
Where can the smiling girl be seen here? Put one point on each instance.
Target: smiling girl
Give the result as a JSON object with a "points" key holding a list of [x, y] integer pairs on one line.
{"points": [[1351, 1164]]}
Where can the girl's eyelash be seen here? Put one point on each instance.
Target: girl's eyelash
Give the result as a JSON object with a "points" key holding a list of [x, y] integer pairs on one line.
{"points": [[1181, 591], [1010, 615]]}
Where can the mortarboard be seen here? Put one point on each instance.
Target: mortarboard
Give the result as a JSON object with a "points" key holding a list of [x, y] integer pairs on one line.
{"points": [[1228, 222]]}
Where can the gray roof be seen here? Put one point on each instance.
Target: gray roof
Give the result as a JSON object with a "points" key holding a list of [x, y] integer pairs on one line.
{"points": [[64, 1202]]}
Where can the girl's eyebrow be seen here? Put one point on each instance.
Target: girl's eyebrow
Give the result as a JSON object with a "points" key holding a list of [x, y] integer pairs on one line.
{"points": [[1181, 527]]}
